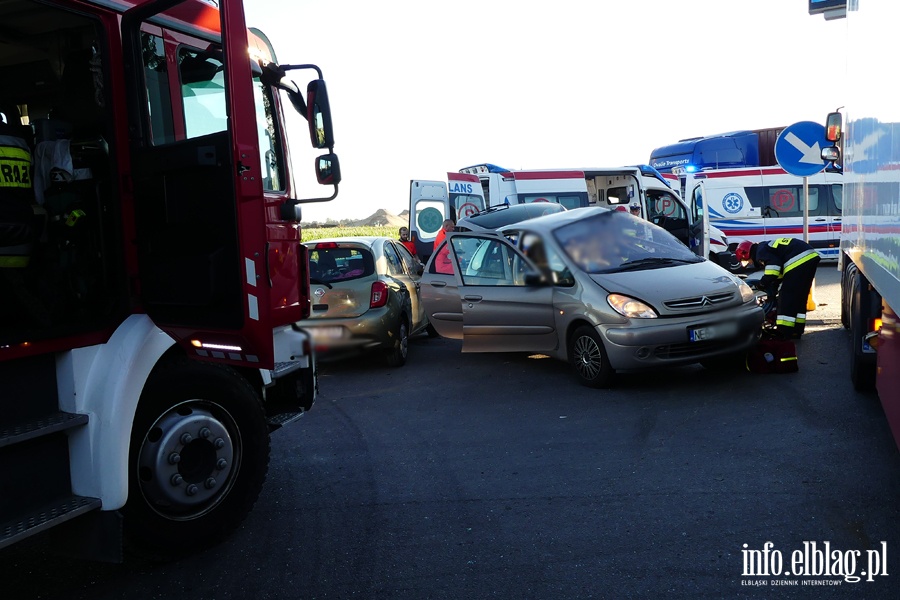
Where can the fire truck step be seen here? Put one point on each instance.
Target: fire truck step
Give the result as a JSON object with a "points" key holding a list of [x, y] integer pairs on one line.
{"points": [[25, 430], [45, 517]]}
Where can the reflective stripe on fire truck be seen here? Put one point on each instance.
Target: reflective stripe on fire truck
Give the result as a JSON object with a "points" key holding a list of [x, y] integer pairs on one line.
{"points": [[252, 301]]}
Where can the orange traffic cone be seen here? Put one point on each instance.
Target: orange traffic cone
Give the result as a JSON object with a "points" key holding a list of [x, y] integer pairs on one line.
{"points": [[811, 299]]}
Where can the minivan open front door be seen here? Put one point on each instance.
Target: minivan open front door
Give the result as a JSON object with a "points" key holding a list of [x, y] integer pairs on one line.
{"points": [[198, 192], [699, 222]]}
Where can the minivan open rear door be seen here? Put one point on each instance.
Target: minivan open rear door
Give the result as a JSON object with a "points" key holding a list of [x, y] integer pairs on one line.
{"points": [[199, 208]]}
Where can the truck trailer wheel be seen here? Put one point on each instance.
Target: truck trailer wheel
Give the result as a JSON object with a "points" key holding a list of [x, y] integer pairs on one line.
{"points": [[862, 365], [198, 459], [846, 273]]}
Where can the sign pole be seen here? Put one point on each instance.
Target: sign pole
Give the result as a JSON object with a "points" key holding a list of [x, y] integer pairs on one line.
{"points": [[798, 152], [811, 298], [806, 209]]}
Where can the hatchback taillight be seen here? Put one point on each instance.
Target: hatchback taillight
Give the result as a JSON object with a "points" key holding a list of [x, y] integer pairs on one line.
{"points": [[379, 295]]}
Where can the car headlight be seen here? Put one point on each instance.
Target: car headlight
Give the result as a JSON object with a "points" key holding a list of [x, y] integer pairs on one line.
{"points": [[747, 294], [631, 308]]}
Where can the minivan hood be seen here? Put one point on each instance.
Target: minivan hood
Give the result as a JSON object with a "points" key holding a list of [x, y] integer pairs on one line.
{"points": [[677, 290]]}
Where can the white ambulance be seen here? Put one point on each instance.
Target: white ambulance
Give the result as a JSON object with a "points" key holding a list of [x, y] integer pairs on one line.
{"points": [[616, 188], [764, 203], [504, 186]]}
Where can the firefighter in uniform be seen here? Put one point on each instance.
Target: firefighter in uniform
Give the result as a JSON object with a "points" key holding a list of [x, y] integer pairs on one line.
{"points": [[16, 192], [792, 263], [17, 222]]}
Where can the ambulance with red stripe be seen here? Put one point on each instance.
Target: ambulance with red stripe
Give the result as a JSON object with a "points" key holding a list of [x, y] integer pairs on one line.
{"points": [[617, 188], [505, 186], [763, 203]]}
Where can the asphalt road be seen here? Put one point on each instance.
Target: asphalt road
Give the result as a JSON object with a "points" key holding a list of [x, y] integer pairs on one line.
{"points": [[498, 476]]}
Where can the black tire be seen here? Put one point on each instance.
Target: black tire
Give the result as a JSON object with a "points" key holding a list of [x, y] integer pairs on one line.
{"points": [[845, 292], [589, 358], [862, 367], [396, 355], [188, 493]]}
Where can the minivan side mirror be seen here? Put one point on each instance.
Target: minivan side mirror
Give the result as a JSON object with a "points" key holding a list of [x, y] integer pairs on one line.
{"points": [[535, 279]]}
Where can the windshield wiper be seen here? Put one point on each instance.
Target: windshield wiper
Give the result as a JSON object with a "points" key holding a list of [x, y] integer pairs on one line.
{"points": [[325, 283], [654, 261]]}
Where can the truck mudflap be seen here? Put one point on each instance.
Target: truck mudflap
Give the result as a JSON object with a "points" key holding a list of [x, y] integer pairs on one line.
{"points": [[888, 380]]}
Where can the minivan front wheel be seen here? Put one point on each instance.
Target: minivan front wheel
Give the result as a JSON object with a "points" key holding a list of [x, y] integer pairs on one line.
{"points": [[589, 358]]}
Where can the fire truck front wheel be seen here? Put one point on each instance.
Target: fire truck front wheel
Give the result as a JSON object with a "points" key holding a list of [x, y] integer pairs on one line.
{"points": [[198, 459]]}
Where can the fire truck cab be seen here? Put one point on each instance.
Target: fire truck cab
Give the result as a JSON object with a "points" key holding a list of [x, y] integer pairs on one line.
{"points": [[151, 269]]}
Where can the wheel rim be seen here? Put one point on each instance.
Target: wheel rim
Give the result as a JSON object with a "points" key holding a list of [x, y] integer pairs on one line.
{"points": [[188, 460], [588, 357]]}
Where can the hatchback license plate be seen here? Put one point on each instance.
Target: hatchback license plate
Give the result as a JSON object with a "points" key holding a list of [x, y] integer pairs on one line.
{"points": [[713, 332], [326, 333]]}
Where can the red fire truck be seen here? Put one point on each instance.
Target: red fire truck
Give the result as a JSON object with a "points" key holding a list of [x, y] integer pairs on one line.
{"points": [[149, 290]]}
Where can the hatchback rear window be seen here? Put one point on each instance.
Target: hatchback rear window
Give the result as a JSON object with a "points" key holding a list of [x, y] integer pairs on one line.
{"points": [[340, 264]]}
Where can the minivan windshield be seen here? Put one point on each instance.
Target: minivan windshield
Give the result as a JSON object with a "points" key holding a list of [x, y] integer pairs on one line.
{"points": [[612, 241]]}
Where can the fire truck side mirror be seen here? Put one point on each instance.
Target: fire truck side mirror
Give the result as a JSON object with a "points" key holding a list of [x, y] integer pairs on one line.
{"points": [[328, 169], [833, 127], [318, 115]]}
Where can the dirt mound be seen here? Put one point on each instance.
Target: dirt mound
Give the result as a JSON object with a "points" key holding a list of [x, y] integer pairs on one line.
{"points": [[382, 217]]}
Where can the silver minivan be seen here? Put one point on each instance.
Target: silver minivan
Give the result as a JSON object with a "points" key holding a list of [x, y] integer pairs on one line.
{"points": [[601, 289]]}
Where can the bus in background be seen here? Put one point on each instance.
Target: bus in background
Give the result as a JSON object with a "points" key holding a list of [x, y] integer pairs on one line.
{"points": [[736, 149]]}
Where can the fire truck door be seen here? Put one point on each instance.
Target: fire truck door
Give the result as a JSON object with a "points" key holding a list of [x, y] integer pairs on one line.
{"points": [[200, 215]]}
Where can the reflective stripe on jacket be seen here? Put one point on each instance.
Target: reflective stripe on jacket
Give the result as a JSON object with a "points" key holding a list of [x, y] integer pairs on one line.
{"points": [[15, 163], [782, 255]]}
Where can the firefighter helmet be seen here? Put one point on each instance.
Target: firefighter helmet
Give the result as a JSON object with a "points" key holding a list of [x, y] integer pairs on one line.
{"points": [[744, 251]]}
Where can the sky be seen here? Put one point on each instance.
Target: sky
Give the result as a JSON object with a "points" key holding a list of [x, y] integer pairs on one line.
{"points": [[420, 88]]}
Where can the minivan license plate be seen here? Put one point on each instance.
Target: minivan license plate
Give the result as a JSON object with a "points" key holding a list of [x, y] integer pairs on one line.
{"points": [[713, 332]]}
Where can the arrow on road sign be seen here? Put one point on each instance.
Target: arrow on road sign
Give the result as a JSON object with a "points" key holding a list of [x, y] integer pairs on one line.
{"points": [[811, 155], [798, 147]]}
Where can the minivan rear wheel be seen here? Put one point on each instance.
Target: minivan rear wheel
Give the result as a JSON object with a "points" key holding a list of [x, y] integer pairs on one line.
{"points": [[589, 358]]}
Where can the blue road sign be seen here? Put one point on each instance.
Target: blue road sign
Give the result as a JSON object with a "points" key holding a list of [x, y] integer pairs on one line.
{"points": [[798, 148]]}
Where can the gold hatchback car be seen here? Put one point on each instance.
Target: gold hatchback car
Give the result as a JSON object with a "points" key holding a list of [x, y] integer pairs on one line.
{"points": [[365, 297]]}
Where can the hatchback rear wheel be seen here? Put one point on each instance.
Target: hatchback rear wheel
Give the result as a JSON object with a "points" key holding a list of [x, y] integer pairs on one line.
{"points": [[396, 356], [589, 358]]}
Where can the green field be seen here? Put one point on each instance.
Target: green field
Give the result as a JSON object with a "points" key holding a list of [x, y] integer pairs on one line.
{"points": [[317, 233]]}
